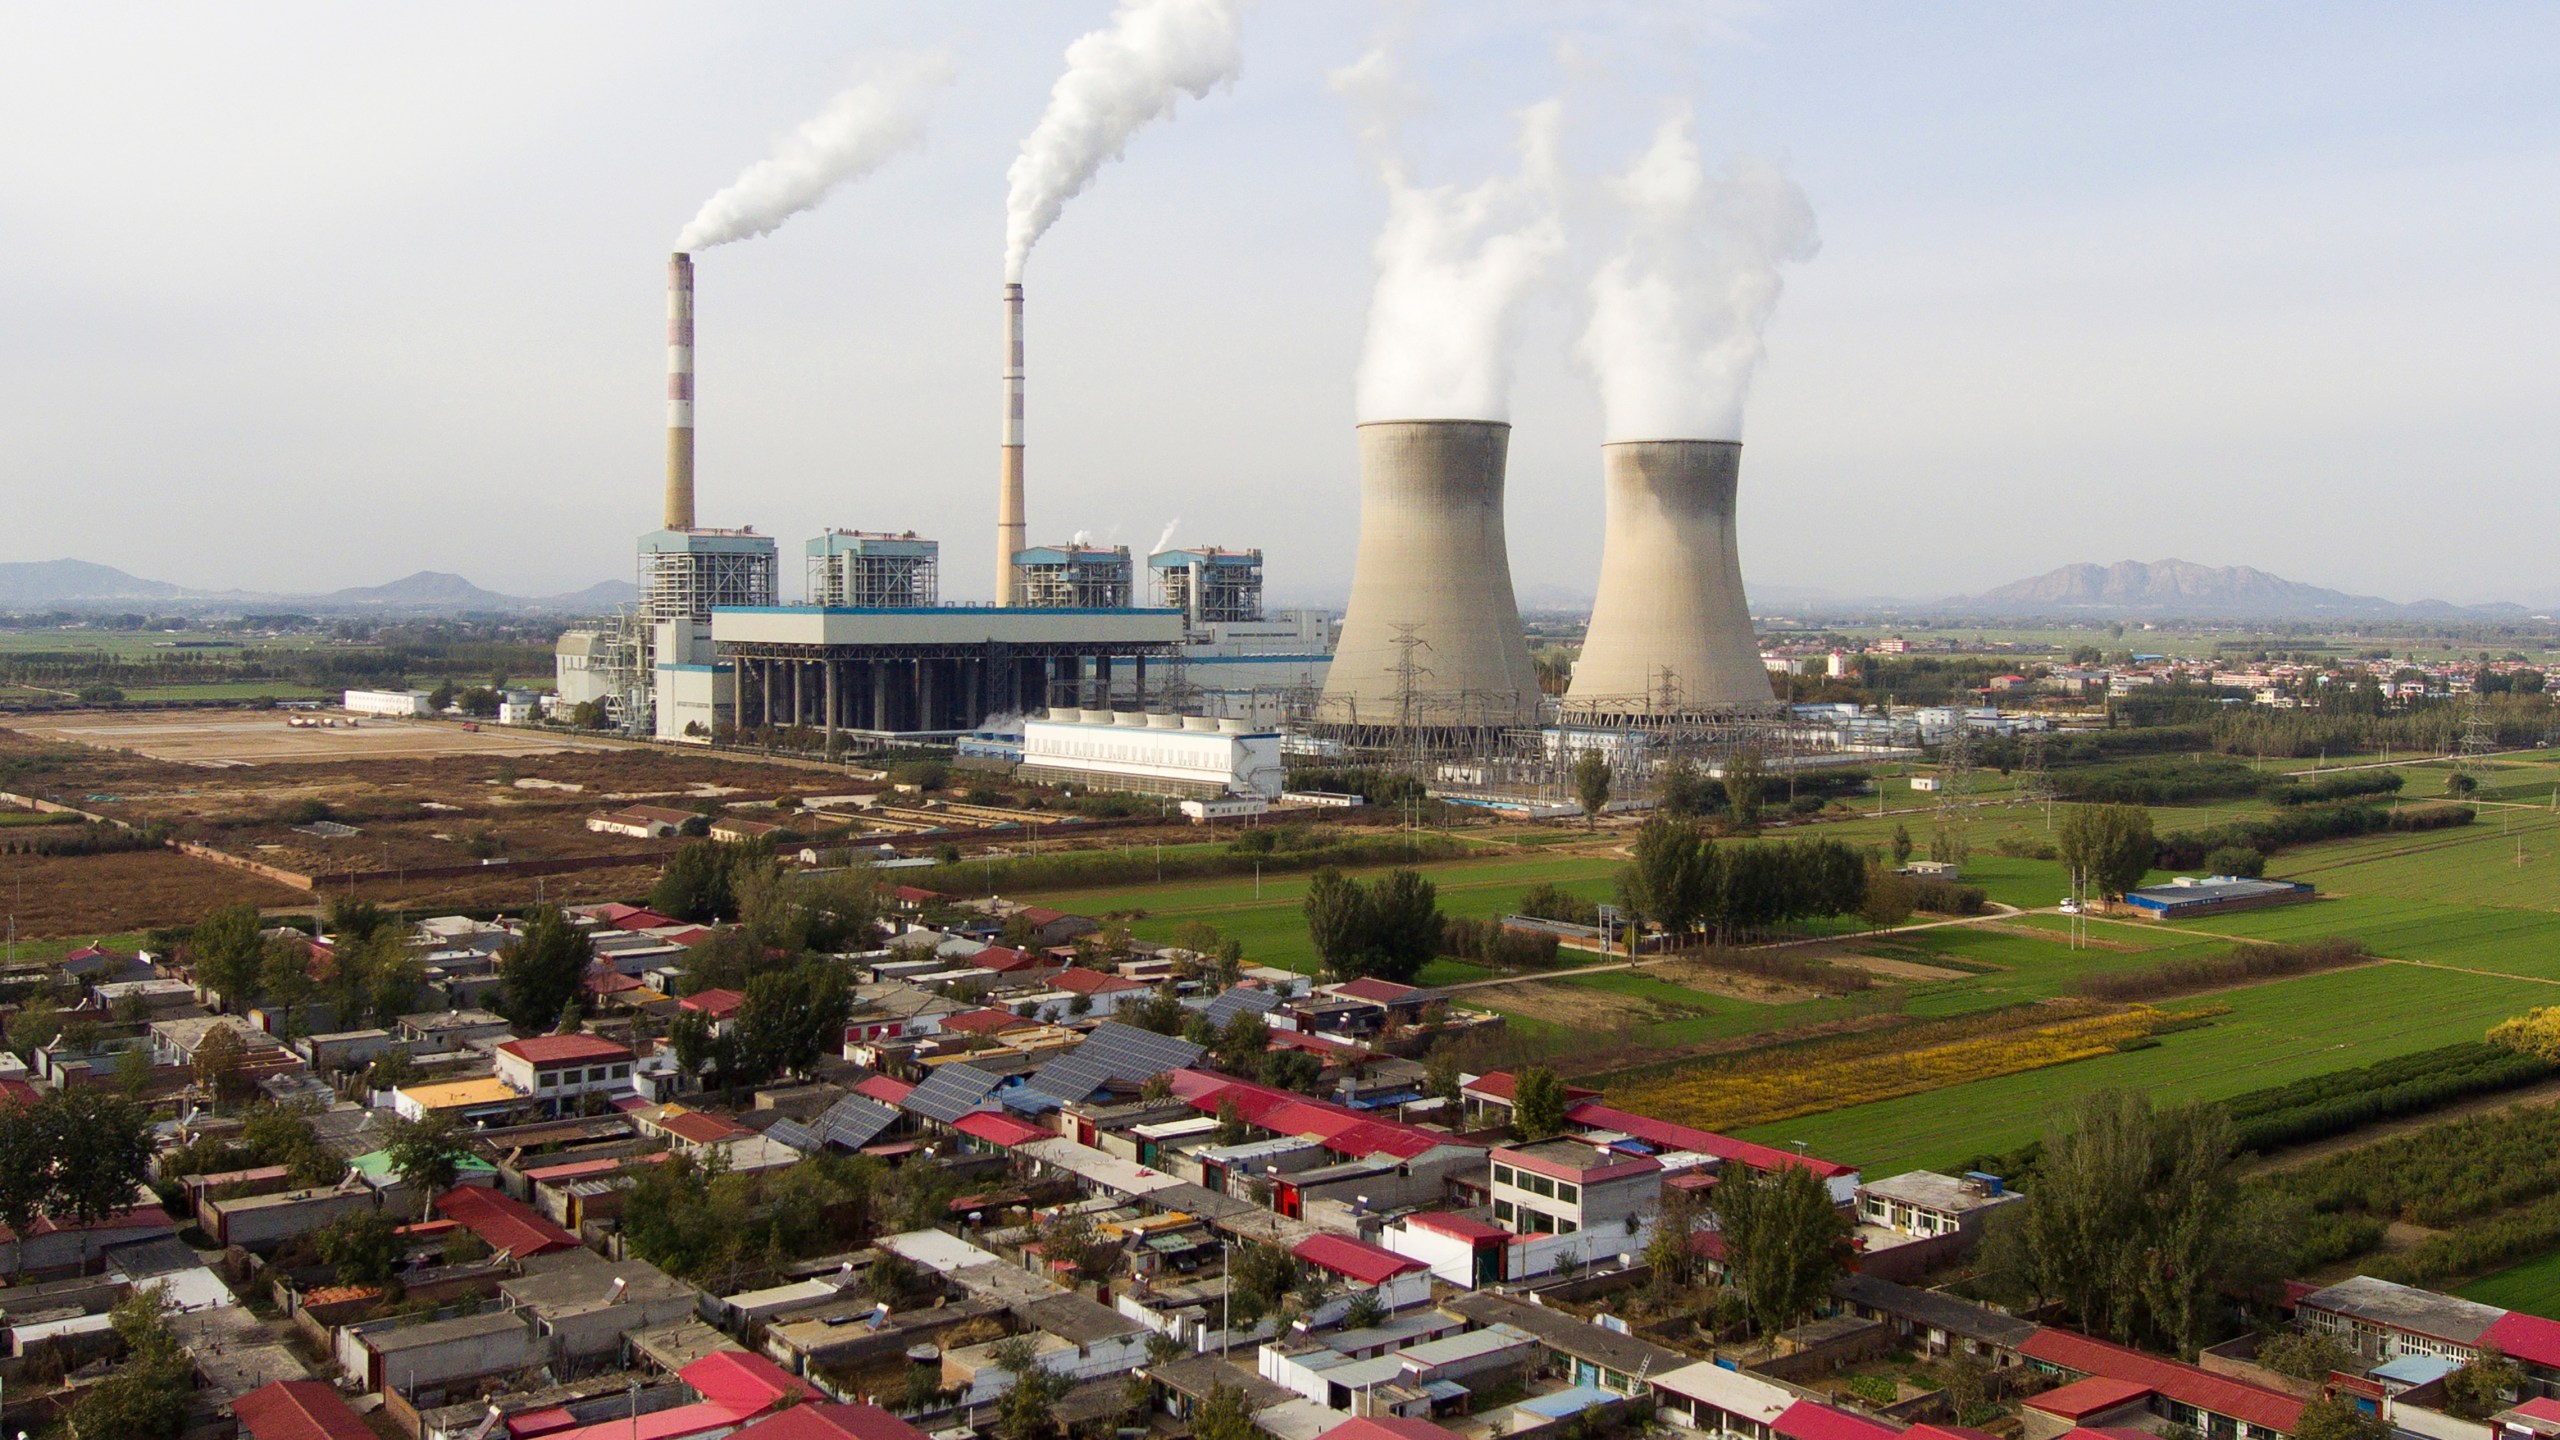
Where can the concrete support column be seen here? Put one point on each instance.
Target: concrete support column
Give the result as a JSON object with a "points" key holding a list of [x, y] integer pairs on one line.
{"points": [[926, 716], [1140, 662], [764, 715], [1102, 681], [831, 705]]}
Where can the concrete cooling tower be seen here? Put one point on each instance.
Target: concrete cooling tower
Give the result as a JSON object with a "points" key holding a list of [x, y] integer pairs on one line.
{"points": [[1434, 564], [1670, 630]]}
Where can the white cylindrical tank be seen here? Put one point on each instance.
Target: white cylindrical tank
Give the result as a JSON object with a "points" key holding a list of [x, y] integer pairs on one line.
{"points": [[1434, 565], [1670, 629]]}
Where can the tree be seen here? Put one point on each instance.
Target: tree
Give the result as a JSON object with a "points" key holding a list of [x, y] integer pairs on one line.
{"points": [[1389, 928], [2335, 1418], [1682, 790], [1889, 899], [2107, 847], [285, 974], [218, 1065], [1028, 1411], [2307, 1355], [441, 697], [1591, 784], [1745, 782], [2135, 1224], [1231, 1128], [2482, 1388], [1669, 875], [1901, 844], [699, 882], [362, 1247], [2458, 784], [1537, 1103], [1669, 1254], [1242, 1042], [2240, 860], [1337, 911], [229, 954], [1784, 1242], [1225, 1415], [540, 969], [145, 1396], [427, 1154], [790, 1018]]}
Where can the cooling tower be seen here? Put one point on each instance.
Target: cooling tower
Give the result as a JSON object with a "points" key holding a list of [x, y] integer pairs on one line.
{"points": [[1433, 565], [1670, 630], [680, 392], [1009, 531]]}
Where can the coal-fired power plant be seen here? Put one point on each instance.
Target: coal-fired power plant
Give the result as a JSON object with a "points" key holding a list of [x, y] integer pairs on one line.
{"points": [[1011, 536], [680, 392], [1432, 635], [1670, 631]]}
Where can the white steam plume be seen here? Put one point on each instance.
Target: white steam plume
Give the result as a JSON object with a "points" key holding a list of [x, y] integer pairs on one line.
{"points": [[1119, 80], [861, 129], [1453, 264], [1677, 314], [1164, 541]]}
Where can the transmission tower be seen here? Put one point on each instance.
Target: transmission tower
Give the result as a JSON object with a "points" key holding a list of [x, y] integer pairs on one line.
{"points": [[2478, 739], [1955, 791], [2035, 785], [1410, 671]]}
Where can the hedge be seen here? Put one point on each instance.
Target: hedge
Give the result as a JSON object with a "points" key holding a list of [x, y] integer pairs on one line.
{"points": [[2246, 965], [1081, 869], [2345, 1100]]}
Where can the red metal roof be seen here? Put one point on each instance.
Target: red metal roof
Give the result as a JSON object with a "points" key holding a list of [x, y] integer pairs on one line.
{"points": [[564, 1049], [718, 1004], [1459, 1227], [1079, 981], [833, 1422], [1807, 1420], [2183, 1383], [2540, 1407], [506, 1223], [2529, 1338], [887, 1089], [1002, 958], [698, 1128], [2093, 1396], [1370, 987], [739, 1378], [1001, 1129], [1387, 1427], [1595, 1116], [299, 1410], [1354, 1259]]}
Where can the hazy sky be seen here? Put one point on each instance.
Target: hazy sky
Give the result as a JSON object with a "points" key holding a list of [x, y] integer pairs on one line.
{"points": [[302, 296]]}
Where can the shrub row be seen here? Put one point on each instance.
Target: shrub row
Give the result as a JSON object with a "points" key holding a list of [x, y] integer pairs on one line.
{"points": [[2301, 824], [1076, 869], [1486, 942], [1946, 897], [2245, 965], [2475, 1249], [2441, 1175], [2338, 787], [81, 839], [2161, 781], [2346, 1100]]}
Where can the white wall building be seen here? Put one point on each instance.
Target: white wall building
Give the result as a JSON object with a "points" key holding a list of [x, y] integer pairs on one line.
{"points": [[1151, 754], [387, 702], [562, 1068]]}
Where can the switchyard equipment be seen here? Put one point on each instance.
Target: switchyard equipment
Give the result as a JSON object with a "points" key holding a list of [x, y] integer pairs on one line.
{"points": [[1670, 629], [1209, 585], [874, 572], [1072, 577], [1431, 642]]}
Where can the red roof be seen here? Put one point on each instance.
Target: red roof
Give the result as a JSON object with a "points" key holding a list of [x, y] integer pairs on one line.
{"points": [[137, 1217], [718, 1004], [634, 917], [1370, 987], [916, 895], [985, 1022], [1458, 1227], [1002, 958], [299, 1410], [1000, 1129], [833, 1422], [1807, 1420], [1336, 1127], [14, 1091], [2094, 1396], [2529, 1338], [1499, 1086], [2540, 1407], [1387, 1427], [738, 1378], [1354, 1259], [698, 1128], [565, 1049], [2183, 1383], [506, 1223], [886, 1089], [1595, 1116]]}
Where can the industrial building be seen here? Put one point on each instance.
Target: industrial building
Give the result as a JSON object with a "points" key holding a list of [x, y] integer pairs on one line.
{"points": [[1072, 577], [849, 568], [1432, 637], [1135, 752]]}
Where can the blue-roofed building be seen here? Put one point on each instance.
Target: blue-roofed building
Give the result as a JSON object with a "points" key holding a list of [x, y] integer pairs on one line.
{"points": [[2189, 896]]}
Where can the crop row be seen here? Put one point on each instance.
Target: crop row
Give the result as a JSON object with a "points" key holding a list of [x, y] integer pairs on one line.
{"points": [[2346, 1100]]}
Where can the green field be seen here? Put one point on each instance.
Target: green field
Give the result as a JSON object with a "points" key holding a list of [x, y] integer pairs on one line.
{"points": [[2532, 1287], [2275, 1033]]}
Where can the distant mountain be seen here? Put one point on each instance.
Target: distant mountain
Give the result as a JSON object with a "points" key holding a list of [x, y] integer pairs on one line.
{"points": [[2181, 588], [44, 583], [81, 585]]}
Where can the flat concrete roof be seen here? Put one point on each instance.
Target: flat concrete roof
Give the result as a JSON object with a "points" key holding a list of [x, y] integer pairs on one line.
{"points": [[942, 625], [1934, 1191]]}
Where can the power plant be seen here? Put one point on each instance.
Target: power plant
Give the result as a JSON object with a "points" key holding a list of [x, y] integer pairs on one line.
{"points": [[1432, 639], [1670, 631]]}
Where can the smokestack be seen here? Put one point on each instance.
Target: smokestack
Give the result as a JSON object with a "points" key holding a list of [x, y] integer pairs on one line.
{"points": [[1009, 527], [680, 392], [1670, 629], [1433, 564]]}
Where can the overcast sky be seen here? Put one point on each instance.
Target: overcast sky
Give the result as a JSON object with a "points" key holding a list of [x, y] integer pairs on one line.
{"points": [[303, 296]]}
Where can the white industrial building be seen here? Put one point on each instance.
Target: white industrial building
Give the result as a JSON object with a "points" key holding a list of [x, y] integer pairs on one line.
{"points": [[387, 702], [1151, 754]]}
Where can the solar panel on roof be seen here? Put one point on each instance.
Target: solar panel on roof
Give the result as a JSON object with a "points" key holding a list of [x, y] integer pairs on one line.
{"points": [[1113, 1052], [794, 1134], [853, 1122], [1238, 1000], [950, 1092]]}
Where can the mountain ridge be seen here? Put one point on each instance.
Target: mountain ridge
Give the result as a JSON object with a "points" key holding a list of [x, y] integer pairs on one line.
{"points": [[73, 584], [2184, 588]]}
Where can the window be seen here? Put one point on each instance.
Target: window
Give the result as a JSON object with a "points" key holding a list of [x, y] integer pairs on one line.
{"points": [[1502, 1211], [1502, 1175], [1541, 1185], [621, 1072], [1568, 1192]]}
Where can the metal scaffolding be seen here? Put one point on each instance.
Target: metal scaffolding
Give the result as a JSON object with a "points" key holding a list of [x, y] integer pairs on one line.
{"points": [[1073, 577], [874, 571], [1209, 585]]}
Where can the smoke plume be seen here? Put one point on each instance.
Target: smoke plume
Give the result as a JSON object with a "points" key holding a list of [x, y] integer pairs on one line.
{"points": [[1453, 263], [1119, 80], [1677, 314], [862, 128], [1164, 541]]}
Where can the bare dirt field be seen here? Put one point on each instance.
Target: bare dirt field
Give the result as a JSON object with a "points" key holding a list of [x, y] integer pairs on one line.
{"points": [[1891, 969], [223, 738], [91, 895], [1693, 976]]}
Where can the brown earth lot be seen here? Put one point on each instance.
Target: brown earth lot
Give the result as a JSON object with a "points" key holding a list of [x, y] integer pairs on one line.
{"points": [[224, 738], [87, 895]]}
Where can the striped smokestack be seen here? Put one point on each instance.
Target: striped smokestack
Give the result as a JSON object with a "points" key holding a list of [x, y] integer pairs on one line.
{"points": [[1009, 530], [680, 392]]}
